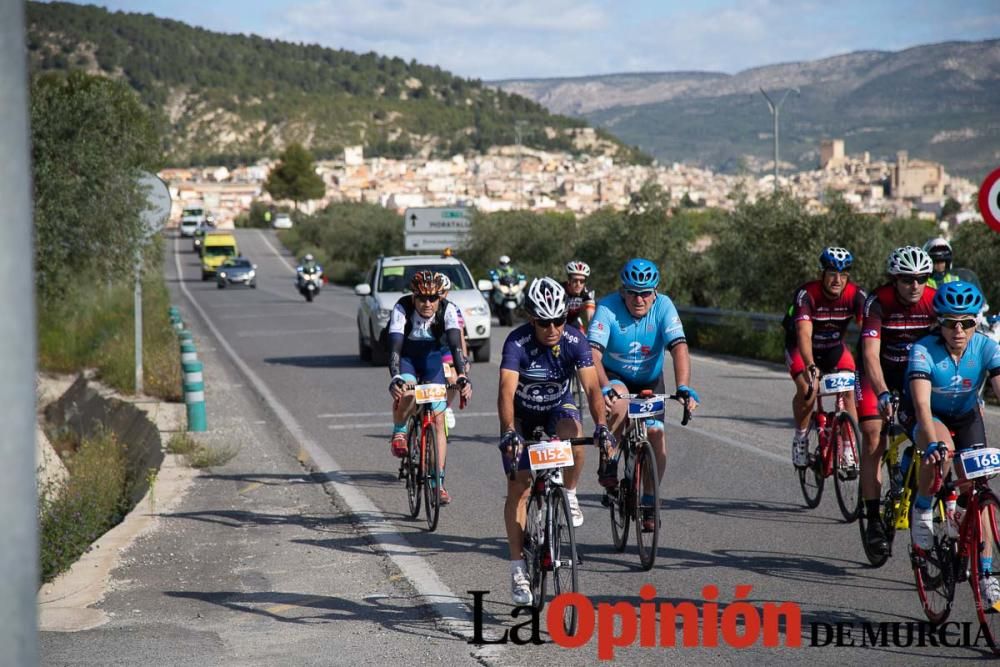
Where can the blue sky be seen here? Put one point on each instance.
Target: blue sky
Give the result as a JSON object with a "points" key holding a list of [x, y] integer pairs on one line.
{"points": [[494, 39]]}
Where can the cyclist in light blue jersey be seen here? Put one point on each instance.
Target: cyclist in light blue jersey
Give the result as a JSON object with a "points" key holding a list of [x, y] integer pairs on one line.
{"points": [[946, 370], [628, 334]]}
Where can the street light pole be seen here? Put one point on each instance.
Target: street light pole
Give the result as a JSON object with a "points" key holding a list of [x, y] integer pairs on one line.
{"points": [[775, 110]]}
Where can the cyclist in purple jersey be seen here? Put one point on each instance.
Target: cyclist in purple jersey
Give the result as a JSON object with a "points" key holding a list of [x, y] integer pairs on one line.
{"points": [[539, 359]]}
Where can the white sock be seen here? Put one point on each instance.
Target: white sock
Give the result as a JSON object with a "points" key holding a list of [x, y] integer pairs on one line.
{"points": [[570, 494], [515, 564], [801, 433]]}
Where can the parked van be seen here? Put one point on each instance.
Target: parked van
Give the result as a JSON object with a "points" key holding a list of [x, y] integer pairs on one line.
{"points": [[216, 248]]}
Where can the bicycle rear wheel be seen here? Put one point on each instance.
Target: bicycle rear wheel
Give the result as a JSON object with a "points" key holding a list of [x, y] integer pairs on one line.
{"points": [[646, 487], [620, 507], [846, 466], [432, 480], [564, 560], [989, 618], [887, 516], [412, 470], [934, 571], [535, 547]]}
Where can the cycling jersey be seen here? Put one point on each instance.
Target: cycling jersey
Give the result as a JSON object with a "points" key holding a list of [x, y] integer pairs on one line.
{"points": [[544, 373], [632, 348], [576, 305], [446, 355], [413, 340], [830, 317], [954, 387], [896, 324]]}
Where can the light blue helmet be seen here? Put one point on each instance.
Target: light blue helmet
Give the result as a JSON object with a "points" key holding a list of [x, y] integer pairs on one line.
{"points": [[958, 298], [836, 259], [639, 274]]}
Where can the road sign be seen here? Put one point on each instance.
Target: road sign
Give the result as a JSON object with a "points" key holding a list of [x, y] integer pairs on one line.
{"points": [[435, 228], [157, 210], [989, 200]]}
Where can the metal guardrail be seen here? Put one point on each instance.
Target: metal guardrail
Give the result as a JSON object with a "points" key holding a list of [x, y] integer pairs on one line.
{"points": [[719, 316]]}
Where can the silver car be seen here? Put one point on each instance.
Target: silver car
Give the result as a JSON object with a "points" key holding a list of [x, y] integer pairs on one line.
{"points": [[387, 281], [236, 271]]}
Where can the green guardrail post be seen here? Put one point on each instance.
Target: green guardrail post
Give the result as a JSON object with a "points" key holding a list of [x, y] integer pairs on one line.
{"points": [[185, 335], [188, 352], [194, 398]]}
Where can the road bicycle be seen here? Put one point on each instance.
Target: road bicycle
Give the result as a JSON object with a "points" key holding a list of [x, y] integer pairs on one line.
{"points": [[837, 451], [637, 497], [962, 544], [577, 389], [549, 538], [419, 468], [899, 484]]}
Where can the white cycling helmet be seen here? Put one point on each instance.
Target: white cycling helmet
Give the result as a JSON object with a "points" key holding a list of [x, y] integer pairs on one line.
{"points": [[308, 257], [546, 299], [445, 283], [909, 260], [576, 268], [504, 260]]}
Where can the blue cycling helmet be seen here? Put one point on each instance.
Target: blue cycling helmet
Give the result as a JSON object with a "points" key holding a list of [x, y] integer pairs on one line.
{"points": [[958, 298], [836, 259], [639, 274]]}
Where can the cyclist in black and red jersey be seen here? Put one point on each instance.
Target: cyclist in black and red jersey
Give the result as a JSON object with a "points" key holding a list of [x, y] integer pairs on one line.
{"points": [[580, 302], [897, 314], [814, 339]]}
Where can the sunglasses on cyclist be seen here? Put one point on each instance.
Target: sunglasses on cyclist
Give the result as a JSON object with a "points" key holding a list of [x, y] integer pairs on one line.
{"points": [[554, 322], [429, 298], [640, 294], [953, 323], [910, 280]]}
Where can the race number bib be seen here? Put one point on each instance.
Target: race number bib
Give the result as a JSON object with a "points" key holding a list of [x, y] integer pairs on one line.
{"points": [[430, 393], [980, 462], [835, 383], [555, 454], [645, 407]]}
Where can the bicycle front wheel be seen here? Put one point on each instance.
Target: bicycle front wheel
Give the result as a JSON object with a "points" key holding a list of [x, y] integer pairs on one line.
{"points": [[987, 535], [535, 548], [846, 467], [934, 571], [621, 505], [562, 541], [647, 516], [412, 470], [432, 478], [811, 479]]}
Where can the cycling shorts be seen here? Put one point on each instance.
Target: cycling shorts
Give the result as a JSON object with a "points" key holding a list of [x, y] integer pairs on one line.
{"points": [[967, 430], [526, 423], [428, 370], [868, 399], [837, 358]]}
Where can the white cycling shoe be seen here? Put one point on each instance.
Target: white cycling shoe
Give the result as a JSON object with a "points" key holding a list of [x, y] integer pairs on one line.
{"points": [[574, 510], [520, 587], [800, 452], [989, 592], [922, 528]]}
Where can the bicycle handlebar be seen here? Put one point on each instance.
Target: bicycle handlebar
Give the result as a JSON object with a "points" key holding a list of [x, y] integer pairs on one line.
{"points": [[683, 401]]}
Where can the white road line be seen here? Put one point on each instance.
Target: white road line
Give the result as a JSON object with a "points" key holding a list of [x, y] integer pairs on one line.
{"points": [[753, 449], [277, 254], [447, 605]]}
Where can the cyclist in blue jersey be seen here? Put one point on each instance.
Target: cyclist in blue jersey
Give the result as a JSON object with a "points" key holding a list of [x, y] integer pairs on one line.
{"points": [[539, 360], [946, 370], [628, 334], [416, 326]]}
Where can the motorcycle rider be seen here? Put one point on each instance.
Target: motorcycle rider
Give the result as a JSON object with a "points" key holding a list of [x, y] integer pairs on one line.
{"points": [[308, 265], [940, 251], [507, 283]]}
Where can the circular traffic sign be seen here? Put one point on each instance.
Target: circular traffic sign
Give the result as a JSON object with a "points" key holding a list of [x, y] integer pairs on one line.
{"points": [[989, 200], [157, 209]]}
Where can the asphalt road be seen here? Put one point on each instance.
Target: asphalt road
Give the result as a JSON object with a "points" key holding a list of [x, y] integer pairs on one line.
{"points": [[732, 510]]}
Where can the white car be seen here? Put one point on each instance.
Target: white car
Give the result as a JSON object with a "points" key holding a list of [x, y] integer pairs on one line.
{"points": [[191, 218], [282, 221], [388, 280]]}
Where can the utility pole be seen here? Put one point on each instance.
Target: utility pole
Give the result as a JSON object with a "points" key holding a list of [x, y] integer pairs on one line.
{"points": [[775, 110], [18, 511]]}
